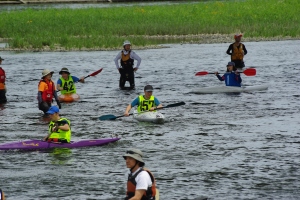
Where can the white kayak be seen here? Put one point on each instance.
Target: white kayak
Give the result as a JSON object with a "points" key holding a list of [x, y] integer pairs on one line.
{"points": [[228, 89], [154, 117]]}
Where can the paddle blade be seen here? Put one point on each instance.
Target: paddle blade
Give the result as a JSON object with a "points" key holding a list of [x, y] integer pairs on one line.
{"points": [[175, 105], [201, 73], [96, 72], [107, 117], [250, 72]]}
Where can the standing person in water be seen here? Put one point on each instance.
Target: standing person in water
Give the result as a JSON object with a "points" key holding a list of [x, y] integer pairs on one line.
{"points": [[46, 91], [237, 51], [126, 67], [2, 84], [66, 83], [231, 77]]}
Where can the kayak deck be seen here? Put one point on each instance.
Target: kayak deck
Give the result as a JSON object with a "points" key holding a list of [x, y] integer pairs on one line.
{"points": [[228, 89], [154, 117], [39, 144], [68, 97]]}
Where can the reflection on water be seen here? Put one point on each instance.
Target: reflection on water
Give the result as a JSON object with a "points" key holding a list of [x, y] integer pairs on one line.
{"points": [[242, 146]]}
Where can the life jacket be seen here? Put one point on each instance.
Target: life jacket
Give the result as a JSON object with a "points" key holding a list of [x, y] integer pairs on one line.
{"points": [[237, 52], [2, 75], [126, 61], [68, 86], [131, 186], [231, 79], [145, 104], [47, 95], [60, 134]]}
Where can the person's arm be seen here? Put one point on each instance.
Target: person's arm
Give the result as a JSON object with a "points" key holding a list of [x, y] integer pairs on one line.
{"points": [[56, 98], [139, 60], [138, 195], [156, 102], [76, 79], [229, 49], [245, 50], [219, 77], [117, 58], [133, 103], [238, 78], [58, 84]]}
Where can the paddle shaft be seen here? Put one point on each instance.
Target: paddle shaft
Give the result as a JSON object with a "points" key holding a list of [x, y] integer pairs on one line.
{"points": [[247, 72], [112, 117]]}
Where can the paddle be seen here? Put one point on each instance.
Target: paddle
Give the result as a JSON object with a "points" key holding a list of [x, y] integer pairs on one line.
{"points": [[247, 72], [112, 117]]}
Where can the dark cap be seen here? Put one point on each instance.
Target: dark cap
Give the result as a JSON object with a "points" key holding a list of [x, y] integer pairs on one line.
{"points": [[231, 64], [148, 88], [64, 69]]}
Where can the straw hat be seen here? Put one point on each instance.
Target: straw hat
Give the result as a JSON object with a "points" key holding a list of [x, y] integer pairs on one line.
{"points": [[135, 154], [46, 72]]}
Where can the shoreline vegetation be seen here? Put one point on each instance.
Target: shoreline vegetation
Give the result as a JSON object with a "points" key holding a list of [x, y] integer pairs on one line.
{"points": [[148, 26]]}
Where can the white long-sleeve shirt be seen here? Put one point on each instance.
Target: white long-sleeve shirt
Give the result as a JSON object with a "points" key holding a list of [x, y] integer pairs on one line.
{"points": [[133, 55]]}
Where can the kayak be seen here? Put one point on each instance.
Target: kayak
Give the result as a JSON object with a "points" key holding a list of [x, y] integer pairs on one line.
{"points": [[228, 89], [68, 97], [36, 144], [154, 117]]}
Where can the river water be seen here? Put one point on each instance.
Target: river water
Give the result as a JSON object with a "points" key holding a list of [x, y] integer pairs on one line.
{"points": [[220, 146]]}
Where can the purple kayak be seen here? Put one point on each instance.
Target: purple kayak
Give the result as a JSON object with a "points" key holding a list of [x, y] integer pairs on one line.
{"points": [[39, 144]]}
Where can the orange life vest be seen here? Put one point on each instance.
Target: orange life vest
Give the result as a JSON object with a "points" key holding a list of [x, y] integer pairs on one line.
{"points": [[237, 52], [47, 95], [126, 61], [131, 186]]}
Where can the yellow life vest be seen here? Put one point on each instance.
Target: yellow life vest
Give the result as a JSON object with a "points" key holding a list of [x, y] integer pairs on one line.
{"points": [[145, 104], [60, 134], [237, 52], [68, 86]]}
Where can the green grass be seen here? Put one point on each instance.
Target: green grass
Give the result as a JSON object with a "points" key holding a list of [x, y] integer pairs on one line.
{"points": [[108, 27]]}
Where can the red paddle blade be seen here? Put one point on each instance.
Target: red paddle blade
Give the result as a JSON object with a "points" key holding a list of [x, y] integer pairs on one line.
{"points": [[96, 72], [201, 73], [250, 72]]}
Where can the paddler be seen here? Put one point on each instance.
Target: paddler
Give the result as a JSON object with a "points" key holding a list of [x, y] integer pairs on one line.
{"points": [[127, 69], [59, 128], [237, 51], [141, 182], [146, 102], [46, 91], [2, 84], [66, 83], [232, 77]]}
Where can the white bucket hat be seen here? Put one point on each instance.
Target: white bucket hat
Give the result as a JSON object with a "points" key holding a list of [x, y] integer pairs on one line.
{"points": [[46, 72], [135, 154], [126, 42]]}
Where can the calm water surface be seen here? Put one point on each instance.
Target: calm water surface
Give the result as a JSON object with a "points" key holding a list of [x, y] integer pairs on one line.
{"points": [[220, 146]]}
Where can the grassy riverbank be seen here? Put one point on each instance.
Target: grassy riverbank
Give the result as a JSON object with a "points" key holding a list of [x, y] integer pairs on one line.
{"points": [[105, 28]]}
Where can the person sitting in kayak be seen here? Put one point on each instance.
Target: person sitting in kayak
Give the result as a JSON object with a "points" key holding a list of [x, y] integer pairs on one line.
{"points": [[146, 102], [66, 83], [46, 91], [59, 128], [141, 182], [231, 77]]}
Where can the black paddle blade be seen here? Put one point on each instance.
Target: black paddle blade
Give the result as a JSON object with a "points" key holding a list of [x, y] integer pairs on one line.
{"points": [[107, 117], [175, 105]]}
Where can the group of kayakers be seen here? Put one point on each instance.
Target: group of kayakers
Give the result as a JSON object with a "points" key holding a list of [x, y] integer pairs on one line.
{"points": [[141, 182]]}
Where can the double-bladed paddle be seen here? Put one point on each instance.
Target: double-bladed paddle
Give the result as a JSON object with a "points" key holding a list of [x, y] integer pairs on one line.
{"points": [[113, 117], [247, 72]]}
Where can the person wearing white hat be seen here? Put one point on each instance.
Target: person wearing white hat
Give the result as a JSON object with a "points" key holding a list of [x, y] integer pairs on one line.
{"points": [[46, 91], [141, 183], [237, 51], [126, 67], [2, 84]]}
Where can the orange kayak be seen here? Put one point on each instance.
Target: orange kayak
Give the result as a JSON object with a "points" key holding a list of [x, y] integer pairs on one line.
{"points": [[68, 97]]}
